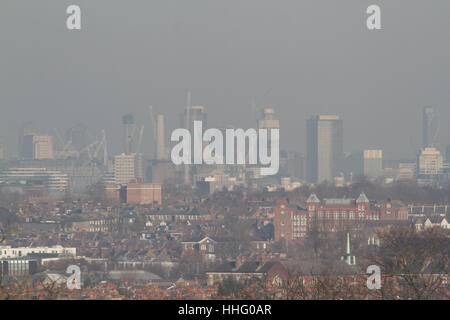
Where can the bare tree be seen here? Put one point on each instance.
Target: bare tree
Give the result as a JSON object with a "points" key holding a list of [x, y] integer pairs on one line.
{"points": [[415, 265]]}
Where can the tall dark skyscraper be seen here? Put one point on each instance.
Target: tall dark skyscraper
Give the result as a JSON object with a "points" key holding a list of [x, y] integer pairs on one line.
{"points": [[430, 127], [27, 150], [325, 144]]}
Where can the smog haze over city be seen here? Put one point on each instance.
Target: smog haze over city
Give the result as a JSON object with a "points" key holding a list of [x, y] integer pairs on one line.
{"points": [[300, 57], [256, 151]]}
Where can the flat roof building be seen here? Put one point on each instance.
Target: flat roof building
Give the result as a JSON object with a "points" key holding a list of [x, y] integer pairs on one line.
{"points": [[324, 148]]}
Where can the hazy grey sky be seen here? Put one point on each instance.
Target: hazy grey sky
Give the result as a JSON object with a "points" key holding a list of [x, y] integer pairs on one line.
{"points": [[302, 57]]}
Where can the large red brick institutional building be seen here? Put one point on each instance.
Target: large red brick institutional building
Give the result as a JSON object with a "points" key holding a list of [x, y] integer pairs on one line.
{"points": [[135, 193], [292, 222]]}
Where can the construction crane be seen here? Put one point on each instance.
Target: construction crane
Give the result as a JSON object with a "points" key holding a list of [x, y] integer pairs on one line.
{"points": [[153, 122], [94, 148], [68, 150], [141, 135]]}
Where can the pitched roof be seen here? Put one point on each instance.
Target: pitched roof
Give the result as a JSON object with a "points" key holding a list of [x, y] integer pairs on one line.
{"points": [[248, 267], [267, 266], [362, 198], [313, 198]]}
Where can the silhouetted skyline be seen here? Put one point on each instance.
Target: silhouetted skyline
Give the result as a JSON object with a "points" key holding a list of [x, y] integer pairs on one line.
{"points": [[302, 58]]}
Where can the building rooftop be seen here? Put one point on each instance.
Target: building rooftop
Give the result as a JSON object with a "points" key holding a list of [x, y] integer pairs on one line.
{"points": [[313, 199], [338, 201]]}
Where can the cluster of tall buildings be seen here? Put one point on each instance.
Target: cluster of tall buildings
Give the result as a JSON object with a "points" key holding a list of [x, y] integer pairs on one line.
{"points": [[326, 159]]}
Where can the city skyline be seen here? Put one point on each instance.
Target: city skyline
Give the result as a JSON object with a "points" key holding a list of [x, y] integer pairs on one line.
{"points": [[149, 147], [208, 151], [294, 64]]}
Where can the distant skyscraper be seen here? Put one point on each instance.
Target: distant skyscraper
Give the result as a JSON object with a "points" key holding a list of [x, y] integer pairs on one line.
{"points": [[430, 166], [430, 127], [36, 147], [192, 113], [430, 162], [268, 120], [161, 151], [447, 154], [373, 163], [324, 148], [129, 127], [43, 147], [27, 148], [291, 165], [127, 167], [1, 152]]}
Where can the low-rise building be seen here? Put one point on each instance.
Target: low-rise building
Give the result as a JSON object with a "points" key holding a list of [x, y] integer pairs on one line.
{"points": [[20, 252]]}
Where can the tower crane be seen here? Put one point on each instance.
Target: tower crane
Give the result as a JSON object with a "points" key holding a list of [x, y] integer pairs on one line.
{"points": [[153, 121], [141, 135]]}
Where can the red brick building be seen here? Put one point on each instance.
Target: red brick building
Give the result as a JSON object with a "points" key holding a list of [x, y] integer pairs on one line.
{"points": [[144, 193], [135, 193], [293, 222], [290, 221], [393, 211]]}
